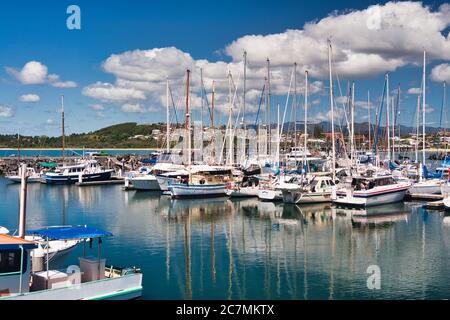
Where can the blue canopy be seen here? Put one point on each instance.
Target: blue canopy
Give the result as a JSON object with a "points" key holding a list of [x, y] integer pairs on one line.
{"points": [[69, 233]]}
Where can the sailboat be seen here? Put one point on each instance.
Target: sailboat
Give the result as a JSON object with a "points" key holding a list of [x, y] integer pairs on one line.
{"points": [[427, 183], [200, 181]]}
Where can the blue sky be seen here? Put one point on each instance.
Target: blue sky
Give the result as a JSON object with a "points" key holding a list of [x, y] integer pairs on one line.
{"points": [[36, 31]]}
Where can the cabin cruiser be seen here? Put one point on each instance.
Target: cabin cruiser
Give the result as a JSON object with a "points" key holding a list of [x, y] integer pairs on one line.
{"points": [[144, 180], [307, 189], [24, 276], [153, 178], [370, 188], [32, 176], [87, 170]]}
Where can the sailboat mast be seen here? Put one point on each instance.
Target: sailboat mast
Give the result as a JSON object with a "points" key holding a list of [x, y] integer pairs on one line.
{"points": [[423, 106], [268, 149], [212, 122], [243, 113], [388, 131], [368, 115], [278, 135], [188, 133], [306, 117], [230, 135], [212, 103], [294, 103], [417, 128], [62, 128], [201, 114], [352, 144], [333, 147], [444, 107], [167, 117]]}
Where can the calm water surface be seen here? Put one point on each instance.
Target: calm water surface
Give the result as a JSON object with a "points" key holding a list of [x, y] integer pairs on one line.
{"points": [[223, 249]]}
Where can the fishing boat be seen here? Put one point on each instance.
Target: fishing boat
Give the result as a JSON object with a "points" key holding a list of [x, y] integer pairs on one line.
{"points": [[370, 189], [26, 278], [32, 176], [86, 171], [314, 189]]}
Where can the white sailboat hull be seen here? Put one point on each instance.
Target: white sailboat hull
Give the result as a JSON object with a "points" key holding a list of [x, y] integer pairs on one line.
{"points": [[18, 179], [426, 187], [243, 192], [197, 190], [298, 197], [270, 195], [147, 182]]}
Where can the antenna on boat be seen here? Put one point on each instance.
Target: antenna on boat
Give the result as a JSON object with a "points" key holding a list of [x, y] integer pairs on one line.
{"points": [[23, 201]]}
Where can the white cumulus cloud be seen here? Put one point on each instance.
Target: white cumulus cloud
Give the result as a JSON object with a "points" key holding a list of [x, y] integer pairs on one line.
{"points": [[6, 111], [133, 108], [35, 72], [109, 92], [29, 98]]}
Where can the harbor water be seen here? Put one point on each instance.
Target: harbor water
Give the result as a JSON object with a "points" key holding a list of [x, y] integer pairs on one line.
{"points": [[246, 249]]}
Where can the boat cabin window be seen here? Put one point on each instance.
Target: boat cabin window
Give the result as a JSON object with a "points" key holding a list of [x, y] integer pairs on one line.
{"points": [[10, 261]]}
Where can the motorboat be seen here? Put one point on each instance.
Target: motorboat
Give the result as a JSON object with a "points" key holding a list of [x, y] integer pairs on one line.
{"points": [[312, 189], [32, 176], [371, 188], [85, 171], [27, 277]]}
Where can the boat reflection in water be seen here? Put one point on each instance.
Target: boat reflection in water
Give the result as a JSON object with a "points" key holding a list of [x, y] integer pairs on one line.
{"points": [[375, 216]]}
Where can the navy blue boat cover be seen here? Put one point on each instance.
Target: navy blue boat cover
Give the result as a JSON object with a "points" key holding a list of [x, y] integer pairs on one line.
{"points": [[69, 233]]}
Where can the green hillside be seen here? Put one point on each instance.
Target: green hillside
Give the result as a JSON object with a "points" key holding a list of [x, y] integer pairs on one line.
{"points": [[116, 136]]}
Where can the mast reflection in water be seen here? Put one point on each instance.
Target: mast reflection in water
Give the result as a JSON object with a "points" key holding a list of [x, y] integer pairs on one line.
{"points": [[246, 249]]}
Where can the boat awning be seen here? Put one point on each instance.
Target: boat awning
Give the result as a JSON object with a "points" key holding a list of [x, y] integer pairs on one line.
{"points": [[48, 165], [69, 233], [12, 243]]}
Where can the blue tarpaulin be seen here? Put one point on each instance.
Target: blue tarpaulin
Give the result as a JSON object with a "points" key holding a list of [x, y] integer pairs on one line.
{"points": [[69, 233]]}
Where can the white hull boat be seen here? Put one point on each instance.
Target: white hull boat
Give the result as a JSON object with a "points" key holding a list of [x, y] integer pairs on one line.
{"points": [[299, 197], [30, 179], [318, 190], [270, 195], [432, 186], [197, 190], [146, 182], [248, 192], [90, 280], [374, 197]]}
